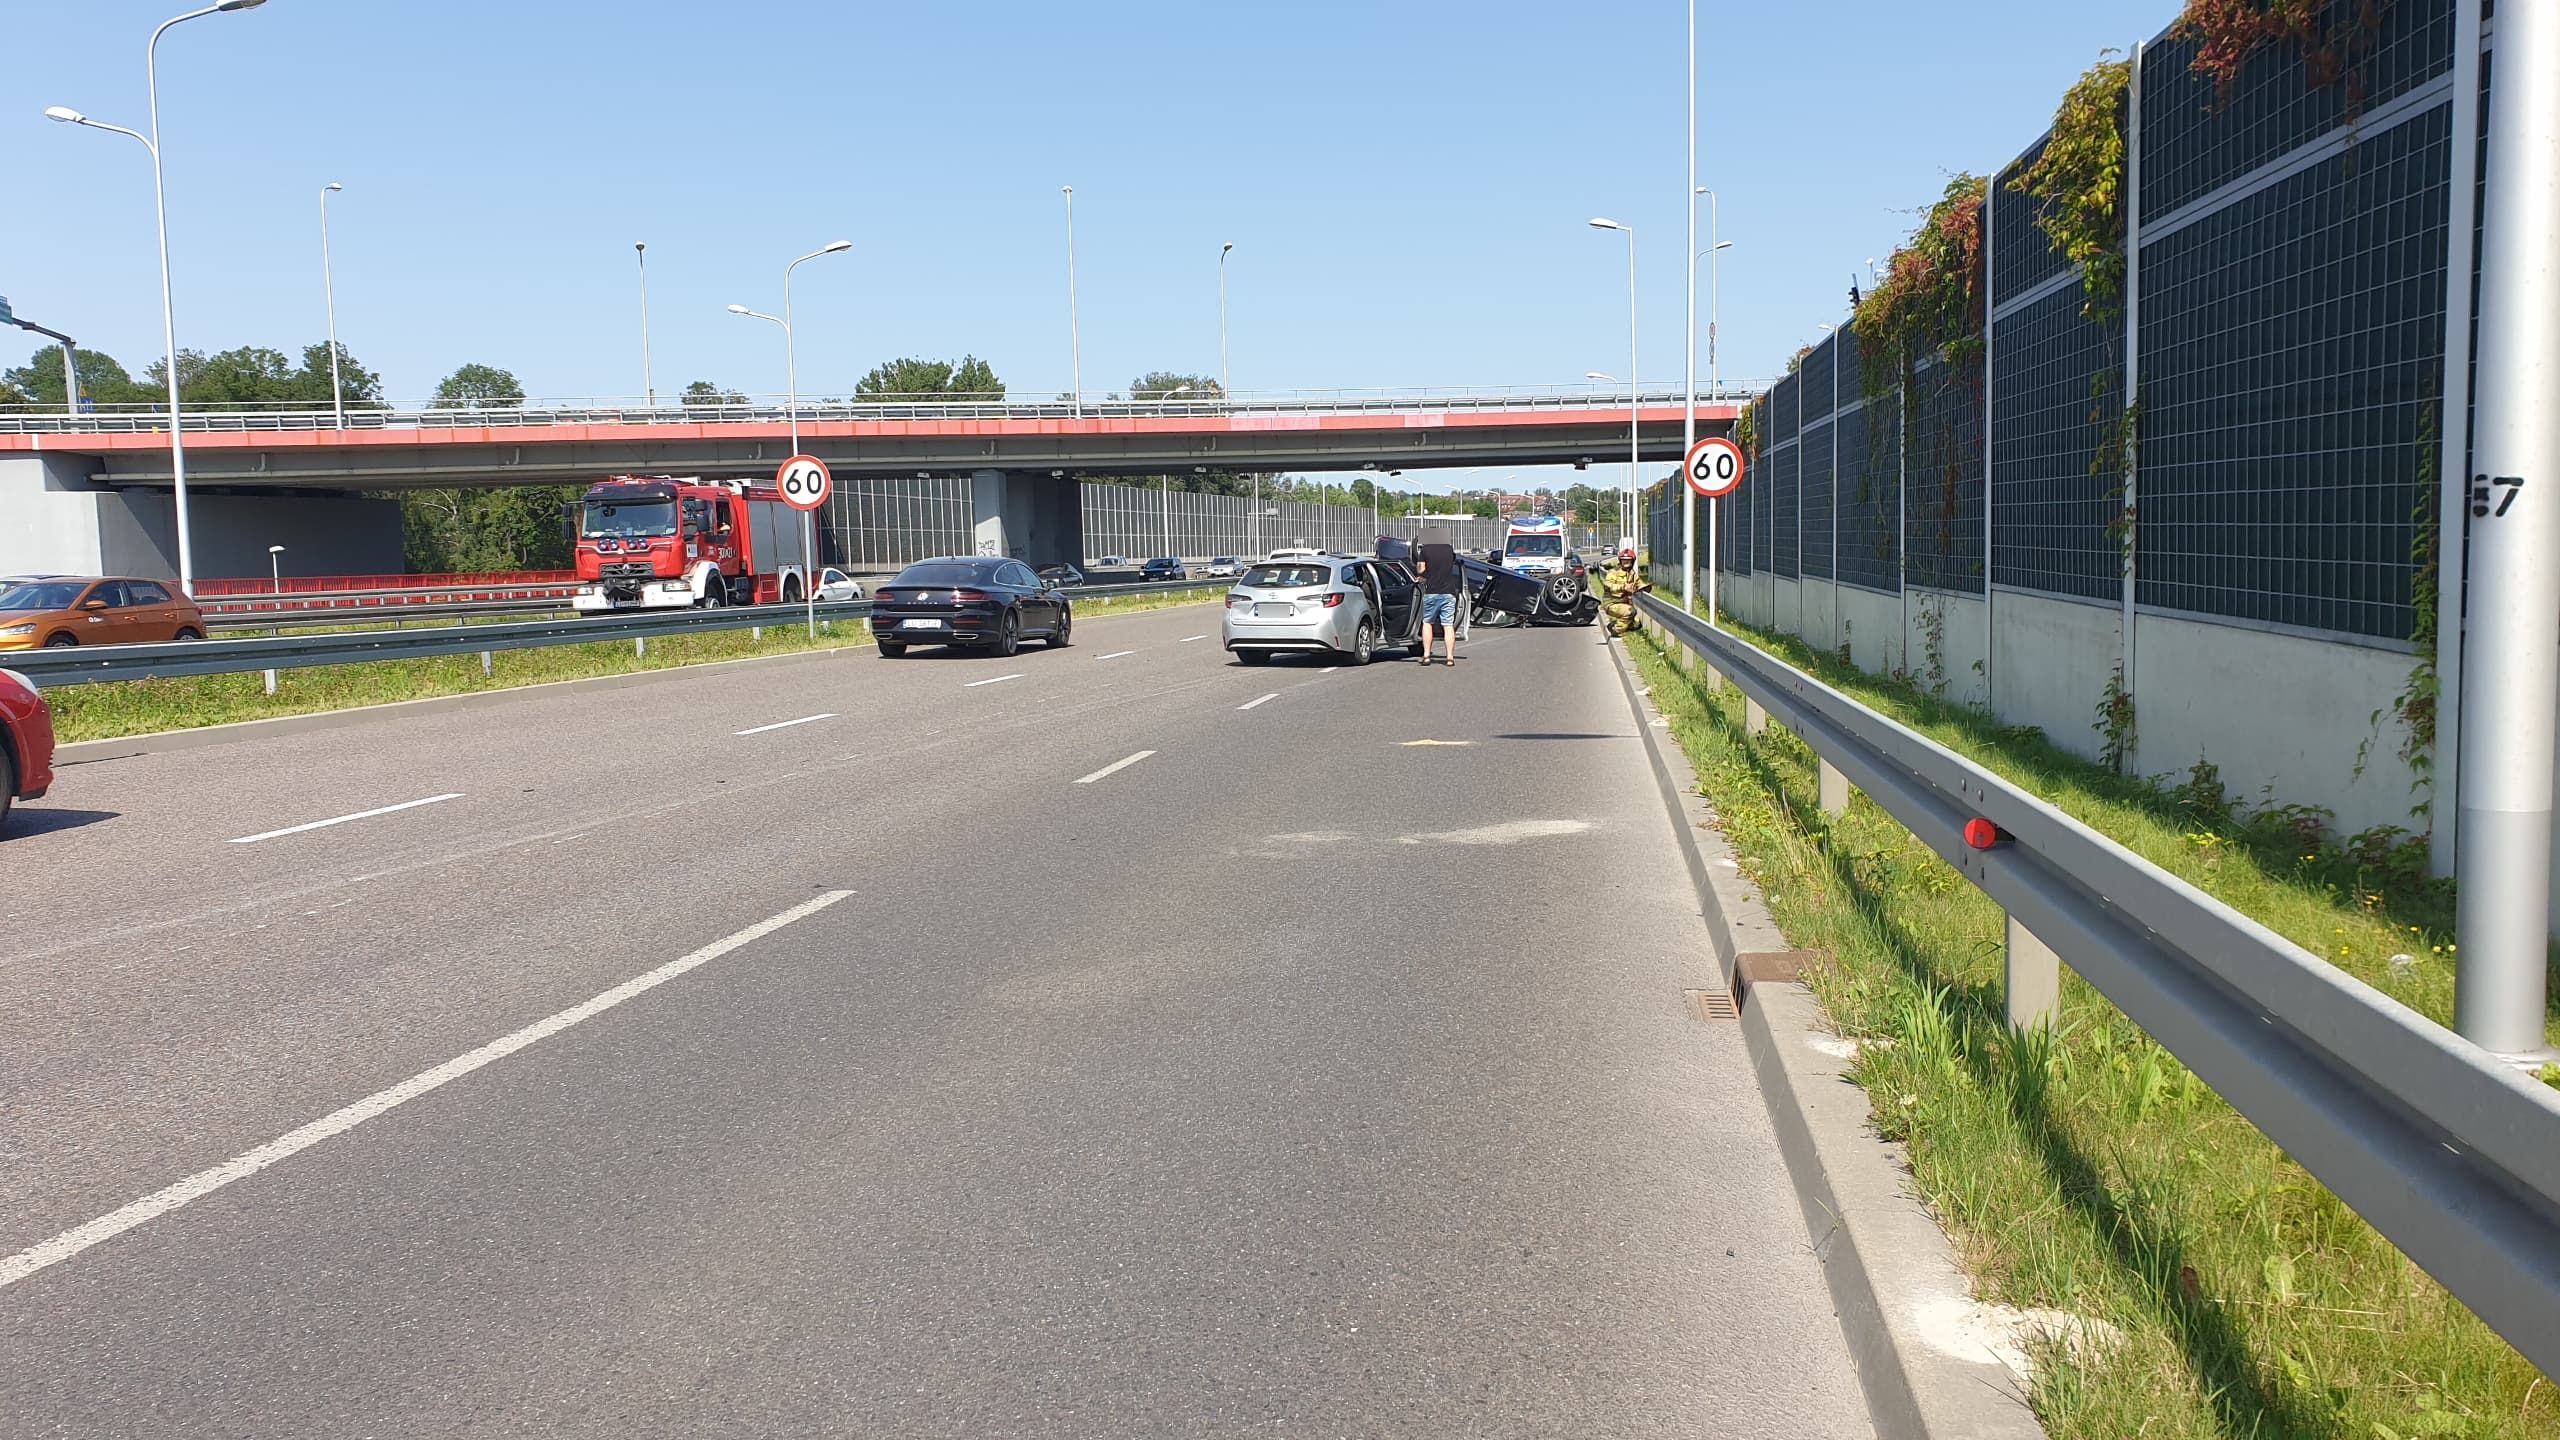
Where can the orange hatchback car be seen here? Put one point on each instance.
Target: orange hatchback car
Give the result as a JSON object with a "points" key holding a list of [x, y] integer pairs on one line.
{"points": [[81, 610]]}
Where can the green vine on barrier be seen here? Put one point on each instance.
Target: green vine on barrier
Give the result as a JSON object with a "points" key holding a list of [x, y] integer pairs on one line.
{"points": [[2331, 35], [2115, 723], [1929, 302], [2415, 706], [2077, 182]]}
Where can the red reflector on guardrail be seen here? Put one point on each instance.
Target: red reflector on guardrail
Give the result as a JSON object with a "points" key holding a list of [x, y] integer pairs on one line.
{"points": [[1981, 834]]}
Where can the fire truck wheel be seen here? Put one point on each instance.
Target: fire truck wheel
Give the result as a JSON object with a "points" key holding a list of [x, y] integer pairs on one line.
{"points": [[715, 593], [1009, 635], [1064, 635], [791, 591], [891, 649]]}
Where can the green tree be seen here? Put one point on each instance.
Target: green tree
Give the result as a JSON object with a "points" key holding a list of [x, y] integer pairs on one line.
{"points": [[357, 384], [703, 392], [971, 379], [516, 528], [1159, 384], [107, 382], [478, 387], [248, 375]]}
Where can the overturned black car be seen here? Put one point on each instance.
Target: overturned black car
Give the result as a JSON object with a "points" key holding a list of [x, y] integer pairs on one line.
{"points": [[1507, 597]]}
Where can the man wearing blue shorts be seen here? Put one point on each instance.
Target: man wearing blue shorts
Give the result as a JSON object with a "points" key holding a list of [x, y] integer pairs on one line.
{"points": [[1442, 583]]}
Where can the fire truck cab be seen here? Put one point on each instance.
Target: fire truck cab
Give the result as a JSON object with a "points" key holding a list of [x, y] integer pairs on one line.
{"points": [[657, 542]]}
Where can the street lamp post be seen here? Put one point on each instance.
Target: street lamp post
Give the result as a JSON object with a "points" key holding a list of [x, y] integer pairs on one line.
{"points": [[1689, 376], [329, 293], [1224, 390], [791, 415], [1714, 256], [648, 376], [1075, 337], [275, 568], [1635, 455], [168, 309]]}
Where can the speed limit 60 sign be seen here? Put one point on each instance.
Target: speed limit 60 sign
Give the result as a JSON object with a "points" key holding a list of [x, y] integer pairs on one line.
{"points": [[804, 481], [1714, 467]]}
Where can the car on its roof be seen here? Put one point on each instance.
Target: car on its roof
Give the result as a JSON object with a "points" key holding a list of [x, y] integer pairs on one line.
{"points": [[26, 742], [1060, 575], [95, 610]]}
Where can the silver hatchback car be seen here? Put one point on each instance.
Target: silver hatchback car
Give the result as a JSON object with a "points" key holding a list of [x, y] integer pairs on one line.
{"points": [[1319, 605]]}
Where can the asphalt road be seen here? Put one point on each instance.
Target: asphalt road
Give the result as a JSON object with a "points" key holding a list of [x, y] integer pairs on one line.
{"points": [[1297, 1077]]}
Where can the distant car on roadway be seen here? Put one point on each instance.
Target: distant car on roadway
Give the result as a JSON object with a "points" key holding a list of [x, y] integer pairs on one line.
{"points": [[834, 585], [95, 610], [1163, 567], [26, 742], [982, 602], [1223, 567], [1061, 576], [1321, 605], [1111, 562]]}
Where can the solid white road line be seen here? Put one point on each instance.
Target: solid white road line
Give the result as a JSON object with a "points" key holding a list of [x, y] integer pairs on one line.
{"points": [[1116, 654], [992, 680], [1249, 704], [1115, 767], [338, 1122], [783, 724], [1187, 639], [343, 819]]}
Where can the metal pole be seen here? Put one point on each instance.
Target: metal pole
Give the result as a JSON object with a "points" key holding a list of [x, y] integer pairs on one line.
{"points": [[1715, 377], [648, 375], [1075, 337], [169, 310], [70, 380], [2130, 480], [2512, 681], [1223, 252], [1635, 457], [329, 292], [791, 416], [2444, 781], [1164, 497], [1689, 371]]}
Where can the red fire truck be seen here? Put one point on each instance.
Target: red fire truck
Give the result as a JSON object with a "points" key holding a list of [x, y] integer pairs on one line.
{"points": [[656, 542]]}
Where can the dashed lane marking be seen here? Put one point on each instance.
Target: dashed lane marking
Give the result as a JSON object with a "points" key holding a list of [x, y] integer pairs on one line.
{"points": [[1114, 768], [783, 724], [1249, 704], [991, 680], [343, 819]]}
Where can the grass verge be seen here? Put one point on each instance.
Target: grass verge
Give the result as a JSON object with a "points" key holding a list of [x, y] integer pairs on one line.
{"points": [[142, 707], [2089, 1171]]}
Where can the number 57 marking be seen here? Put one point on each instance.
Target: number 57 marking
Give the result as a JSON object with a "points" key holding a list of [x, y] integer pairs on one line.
{"points": [[2480, 487]]}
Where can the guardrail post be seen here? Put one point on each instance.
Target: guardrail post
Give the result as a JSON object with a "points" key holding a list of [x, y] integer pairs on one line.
{"points": [[756, 633], [2031, 977], [271, 682], [1755, 721], [640, 646], [1835, 791], [485, 665]]}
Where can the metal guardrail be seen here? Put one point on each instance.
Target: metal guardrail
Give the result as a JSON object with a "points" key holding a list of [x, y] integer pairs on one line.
{"points": [[2450, 1152], [144, 419], [96, 664]]}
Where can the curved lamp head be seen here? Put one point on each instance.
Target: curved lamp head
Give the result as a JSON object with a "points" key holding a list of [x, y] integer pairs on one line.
{"points": [[275, 549], [240, 4], [65, 114], [333, 187], [1599, 375], [835, 247], [640, 245], [1722, 245], [740, 310], [1223, 249], [1603, 222]]}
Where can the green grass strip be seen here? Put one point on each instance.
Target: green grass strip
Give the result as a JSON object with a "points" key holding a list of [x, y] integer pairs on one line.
{"points": [[2090, 1172], [143, 707]]}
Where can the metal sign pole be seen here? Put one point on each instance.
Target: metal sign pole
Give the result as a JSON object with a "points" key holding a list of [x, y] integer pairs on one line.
{"points": [[2511, 676]]}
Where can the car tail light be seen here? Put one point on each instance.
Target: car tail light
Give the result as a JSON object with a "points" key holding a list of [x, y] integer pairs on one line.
{"points": [[971, 597], [1239, 602], [1333, 600]]}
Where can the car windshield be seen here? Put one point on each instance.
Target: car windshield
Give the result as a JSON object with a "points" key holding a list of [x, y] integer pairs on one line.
{"points": [[1287, 577], [42, 595], [941, 572], [1534, 545], [630, 517]]}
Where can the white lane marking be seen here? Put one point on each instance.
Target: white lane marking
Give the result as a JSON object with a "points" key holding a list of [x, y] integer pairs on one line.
{"points": [[1249, 704], [343, 819], [1187, 639], [1116, 654], [1509, 832], [1329, 669], [783, 724], [991, 680], [1115, 767], [338, 1122]]}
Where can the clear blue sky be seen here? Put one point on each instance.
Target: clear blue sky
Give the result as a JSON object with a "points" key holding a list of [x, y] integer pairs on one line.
{"points": [[1406, 181]]}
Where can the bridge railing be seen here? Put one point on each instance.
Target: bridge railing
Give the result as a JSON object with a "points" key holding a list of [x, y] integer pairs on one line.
{"points": [[772, 410], [2450, 1152]]}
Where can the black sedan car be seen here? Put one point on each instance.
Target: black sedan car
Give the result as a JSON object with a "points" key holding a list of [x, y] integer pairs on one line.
{"points": [[1163, 567], [980, 602]]}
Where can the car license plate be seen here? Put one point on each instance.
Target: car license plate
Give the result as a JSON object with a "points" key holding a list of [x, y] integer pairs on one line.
{"points": [[921, 624], [1266, 609]]}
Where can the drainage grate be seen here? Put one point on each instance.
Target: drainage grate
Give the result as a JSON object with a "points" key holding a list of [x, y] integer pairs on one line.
{"points": [[1710, 1005]]}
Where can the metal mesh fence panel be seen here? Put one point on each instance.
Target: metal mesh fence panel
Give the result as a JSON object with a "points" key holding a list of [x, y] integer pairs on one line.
{"points": [[1942, 469], [1786, 511], [1870, 495], [2049, 511], [873, 525], [2195, 140], [1813, 389], [1818, 509], [1141, 522], [2021, 255], [2291, 345], [1782, 411]]}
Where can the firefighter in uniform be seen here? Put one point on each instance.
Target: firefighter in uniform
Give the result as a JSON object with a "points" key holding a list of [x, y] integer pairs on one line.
{"points": [[1618, 590]]}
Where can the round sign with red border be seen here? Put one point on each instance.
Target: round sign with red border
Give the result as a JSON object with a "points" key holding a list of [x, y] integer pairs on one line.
{"points": [[804, 481], [1714, 467]]}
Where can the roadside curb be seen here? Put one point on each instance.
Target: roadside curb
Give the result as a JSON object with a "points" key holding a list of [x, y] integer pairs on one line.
{"points": [[1889, 1267]]}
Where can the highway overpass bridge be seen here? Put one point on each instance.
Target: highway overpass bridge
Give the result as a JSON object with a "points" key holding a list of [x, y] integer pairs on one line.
{"points": [[96, 486]]}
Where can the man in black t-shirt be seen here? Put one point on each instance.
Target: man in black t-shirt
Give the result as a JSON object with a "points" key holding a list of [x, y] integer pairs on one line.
{"points": [[1443, 585]]}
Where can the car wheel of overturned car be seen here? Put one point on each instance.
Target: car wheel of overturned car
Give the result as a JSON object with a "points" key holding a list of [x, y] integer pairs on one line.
{"points": [[1563, 591]]}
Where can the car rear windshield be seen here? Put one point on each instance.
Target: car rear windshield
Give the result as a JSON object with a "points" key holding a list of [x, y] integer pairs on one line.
{"points": [[1534, 545], [56, 595], [943, 572], [1287, 577]]}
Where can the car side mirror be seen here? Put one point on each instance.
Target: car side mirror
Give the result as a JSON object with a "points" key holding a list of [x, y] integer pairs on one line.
{"points": [[93, 604]]}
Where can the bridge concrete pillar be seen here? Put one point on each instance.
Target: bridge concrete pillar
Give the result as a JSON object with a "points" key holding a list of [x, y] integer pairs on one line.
{"points": [[1028, 515]]}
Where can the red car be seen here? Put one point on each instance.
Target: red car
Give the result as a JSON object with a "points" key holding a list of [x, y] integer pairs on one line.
{"points": [[26, 742]]}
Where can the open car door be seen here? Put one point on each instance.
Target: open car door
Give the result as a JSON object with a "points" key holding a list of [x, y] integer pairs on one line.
{"points": [[1487, 585]]}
